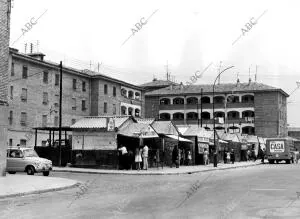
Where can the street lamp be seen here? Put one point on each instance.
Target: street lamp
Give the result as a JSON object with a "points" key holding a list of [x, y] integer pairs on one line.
{"points": [[214, 122]]}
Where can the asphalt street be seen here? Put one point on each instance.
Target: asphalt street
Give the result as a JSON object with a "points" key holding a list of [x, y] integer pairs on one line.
{"points": [[265, 191]]}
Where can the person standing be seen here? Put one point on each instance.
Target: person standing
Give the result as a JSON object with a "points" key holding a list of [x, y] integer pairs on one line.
{"points": [[124, 152], [138, 158], [205, 156], [263, 154], [248, 155], [175, 156], [228, 157], [232, 156], [296, 156], [189, 157], [145, 157]]}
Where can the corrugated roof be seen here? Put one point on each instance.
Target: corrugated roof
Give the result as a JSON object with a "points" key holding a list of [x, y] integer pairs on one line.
{"points": [[208, 88], [98, 122], [164, 127], [194, 130]]}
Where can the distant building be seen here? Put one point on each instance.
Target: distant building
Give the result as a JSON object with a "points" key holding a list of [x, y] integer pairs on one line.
{"points": [[247, 108], [33, 94], [294, 132], [5, 9]]}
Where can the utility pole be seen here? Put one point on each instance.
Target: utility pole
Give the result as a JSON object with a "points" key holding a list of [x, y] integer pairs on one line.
{"points": [[60, 109]]}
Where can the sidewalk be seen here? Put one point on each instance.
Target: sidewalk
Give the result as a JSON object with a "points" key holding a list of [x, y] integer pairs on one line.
{"points": [[159, 171], [18, 185]]}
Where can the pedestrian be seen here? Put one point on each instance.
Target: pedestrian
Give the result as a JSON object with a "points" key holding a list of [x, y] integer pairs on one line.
{"points": [[189, 157], [228, 157], [224, 156], [296, 156], [263, 154], [123, 154], [248, 155], [145, 157], [182, 157], [138, 158], [156, 158], [253, 155], [232, 156], [205, 156], [175, 157]]}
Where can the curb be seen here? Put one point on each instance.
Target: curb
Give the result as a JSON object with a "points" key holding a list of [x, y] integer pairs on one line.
{"points": [[40, 191], [158, 173]]}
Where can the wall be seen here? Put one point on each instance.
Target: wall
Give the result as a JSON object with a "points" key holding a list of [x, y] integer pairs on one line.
{"points": [[4, 39]]}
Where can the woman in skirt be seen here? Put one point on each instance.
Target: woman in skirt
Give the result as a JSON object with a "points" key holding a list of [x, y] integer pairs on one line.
{"points": [[138, 158]]}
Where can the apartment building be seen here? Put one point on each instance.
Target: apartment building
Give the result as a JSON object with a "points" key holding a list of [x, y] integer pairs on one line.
{"points": [[33, 94], [247, 108]]}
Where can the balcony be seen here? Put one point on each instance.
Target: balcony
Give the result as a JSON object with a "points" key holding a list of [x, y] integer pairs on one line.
{"points": [[204, 106]]}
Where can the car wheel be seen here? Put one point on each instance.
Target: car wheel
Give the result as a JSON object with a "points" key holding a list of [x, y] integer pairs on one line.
{"points": [[11, 172], [46, 173], [30, 170]]}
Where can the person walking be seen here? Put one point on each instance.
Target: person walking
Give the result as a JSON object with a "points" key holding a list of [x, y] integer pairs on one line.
{"points": [[232, 156], [205, 156], [138, 158], [248, 155], [145, 157], [224, 156], [263, 154]]}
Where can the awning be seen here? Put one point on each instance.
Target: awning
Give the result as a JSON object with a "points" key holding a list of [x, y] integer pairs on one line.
{"points": [[179, 138], [221, 141]]}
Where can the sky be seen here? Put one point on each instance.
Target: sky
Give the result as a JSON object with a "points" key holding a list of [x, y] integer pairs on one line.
{"points": [[181, 36]]}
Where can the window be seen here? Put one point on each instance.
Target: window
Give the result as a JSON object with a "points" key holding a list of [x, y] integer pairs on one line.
{"points": [[44, 120], [105, 107], [56, 80], [45, 98], [114, 109], [74, 84], [10, 142], [114, 91], [73, 121], [105, 88], [25, 72], [73, 103], [83, 86], [23, 118], [10, 118], [23, 142], [12, 73], [24, 95], [83, 107], [45, 77], [56, 104], [11, 92], [55, 120]]}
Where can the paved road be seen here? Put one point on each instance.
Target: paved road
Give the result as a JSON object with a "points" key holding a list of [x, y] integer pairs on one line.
{"points": [[265, 191]]}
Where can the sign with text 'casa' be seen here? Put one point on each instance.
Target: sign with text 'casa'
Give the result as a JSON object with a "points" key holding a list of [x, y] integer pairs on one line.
{"points": [[276, 146]]}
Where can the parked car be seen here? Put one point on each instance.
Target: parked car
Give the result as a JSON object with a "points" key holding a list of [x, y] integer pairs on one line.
{"points": [[21, 159]]}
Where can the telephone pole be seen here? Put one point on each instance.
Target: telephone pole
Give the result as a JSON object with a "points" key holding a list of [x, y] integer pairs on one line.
{"points": [[60, 109]]}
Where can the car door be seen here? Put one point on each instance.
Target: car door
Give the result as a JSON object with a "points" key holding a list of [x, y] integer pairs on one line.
{"points": [[15, 161]]}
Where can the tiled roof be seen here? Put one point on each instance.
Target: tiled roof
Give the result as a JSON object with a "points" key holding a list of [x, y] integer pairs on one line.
{"points": [[208, 88], [98, 122], [164, 127], [157, 83]]}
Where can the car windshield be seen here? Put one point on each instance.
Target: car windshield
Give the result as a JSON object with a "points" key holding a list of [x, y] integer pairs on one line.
{"points": [[30, 153]]}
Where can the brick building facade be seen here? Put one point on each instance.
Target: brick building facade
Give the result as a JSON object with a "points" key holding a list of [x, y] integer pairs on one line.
{"points": [[247, 108], [33, 94], [5, 7]]}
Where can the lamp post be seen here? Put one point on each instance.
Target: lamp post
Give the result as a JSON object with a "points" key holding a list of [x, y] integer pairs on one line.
{"points": [[214, 122]]}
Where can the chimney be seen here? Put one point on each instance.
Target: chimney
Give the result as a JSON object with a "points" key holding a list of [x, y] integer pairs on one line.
{"points": [[38, 56], [171, 87], [249, 81], [238, 82]]}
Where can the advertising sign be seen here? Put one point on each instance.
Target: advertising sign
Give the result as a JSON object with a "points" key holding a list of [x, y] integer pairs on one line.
{"points": [[276, 146], [111, 125]]}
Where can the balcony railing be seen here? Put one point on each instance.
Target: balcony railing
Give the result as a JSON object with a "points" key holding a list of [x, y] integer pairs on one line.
{"points": [[204, 106]]}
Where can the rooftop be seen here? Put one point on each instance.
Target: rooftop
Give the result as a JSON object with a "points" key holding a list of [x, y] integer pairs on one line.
{"points": [[220, 88], [158, 83]]}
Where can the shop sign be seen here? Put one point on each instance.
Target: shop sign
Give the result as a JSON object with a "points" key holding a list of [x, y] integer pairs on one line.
{"points": [[111, 125]]}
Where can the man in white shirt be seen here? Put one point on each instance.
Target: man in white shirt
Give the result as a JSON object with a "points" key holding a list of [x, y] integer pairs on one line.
{"points": [[145, 157]]}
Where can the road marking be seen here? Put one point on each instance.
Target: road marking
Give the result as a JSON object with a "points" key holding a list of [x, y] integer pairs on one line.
{"points": [[268, 189]]}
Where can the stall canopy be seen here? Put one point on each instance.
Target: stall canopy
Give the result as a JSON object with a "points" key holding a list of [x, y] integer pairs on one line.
{"points": [[165, 128], [179, 138], [138, 130]]}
